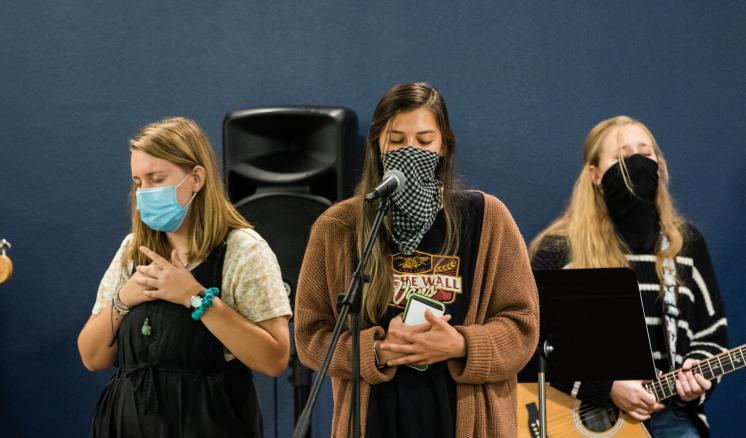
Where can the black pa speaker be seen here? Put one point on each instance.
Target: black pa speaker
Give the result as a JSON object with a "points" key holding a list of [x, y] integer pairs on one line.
{"points": [[310, 149], [284, 166]]}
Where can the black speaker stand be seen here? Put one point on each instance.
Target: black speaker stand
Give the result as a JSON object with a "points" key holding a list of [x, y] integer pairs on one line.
{"points": [[300, 378]]}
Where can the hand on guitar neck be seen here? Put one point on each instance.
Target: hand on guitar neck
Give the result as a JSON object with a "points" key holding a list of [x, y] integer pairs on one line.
{"points": [[635, 398], [570, 417], [691, 385]]}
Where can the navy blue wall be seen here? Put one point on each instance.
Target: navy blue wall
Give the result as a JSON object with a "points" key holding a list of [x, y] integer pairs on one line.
{"points": [[524, 82]]}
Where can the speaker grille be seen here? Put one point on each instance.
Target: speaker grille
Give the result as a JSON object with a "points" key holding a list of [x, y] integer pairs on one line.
{"points": [[305, 149], [284, 220]]}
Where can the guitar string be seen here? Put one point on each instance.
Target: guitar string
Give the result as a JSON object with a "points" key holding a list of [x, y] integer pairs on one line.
{"points": [[584, 412], [669, 379], [568, 418], [658, 388], [565, 422]]}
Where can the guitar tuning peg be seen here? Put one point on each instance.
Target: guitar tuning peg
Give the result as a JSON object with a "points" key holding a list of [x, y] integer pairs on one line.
{"points": [[6, 265]]}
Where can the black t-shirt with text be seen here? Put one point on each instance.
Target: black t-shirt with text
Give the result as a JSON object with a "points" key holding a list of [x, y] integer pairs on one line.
{"points": [[423, 403]]}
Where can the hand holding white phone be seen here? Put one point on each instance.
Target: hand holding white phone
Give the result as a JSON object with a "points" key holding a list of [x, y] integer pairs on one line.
{"points": [[414, 314], [415, 311]]}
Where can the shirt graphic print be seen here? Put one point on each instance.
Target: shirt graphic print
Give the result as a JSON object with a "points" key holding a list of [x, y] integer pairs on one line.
{"points": [[431, 275]]}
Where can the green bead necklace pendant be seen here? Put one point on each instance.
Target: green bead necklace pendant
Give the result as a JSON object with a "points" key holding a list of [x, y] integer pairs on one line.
{"points": [[146, 328]]}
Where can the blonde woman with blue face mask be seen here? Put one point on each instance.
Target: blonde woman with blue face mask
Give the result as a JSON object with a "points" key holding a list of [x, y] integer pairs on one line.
{"points": [[192, 302]]}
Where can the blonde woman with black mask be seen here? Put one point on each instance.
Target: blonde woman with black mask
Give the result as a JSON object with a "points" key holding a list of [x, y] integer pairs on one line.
{"points": [[191, 303], [621, 214], [459, 248]]}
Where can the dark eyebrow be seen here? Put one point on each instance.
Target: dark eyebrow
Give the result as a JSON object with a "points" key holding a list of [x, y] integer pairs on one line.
{"points": [[391, 131], [150, 174], [639, 143]]}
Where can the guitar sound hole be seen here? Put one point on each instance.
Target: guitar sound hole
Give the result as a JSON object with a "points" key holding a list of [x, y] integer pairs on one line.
{"points": [[597, 419]]}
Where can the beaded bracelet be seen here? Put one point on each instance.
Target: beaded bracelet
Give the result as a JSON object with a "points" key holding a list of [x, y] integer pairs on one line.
{"points": [[207, 297]]}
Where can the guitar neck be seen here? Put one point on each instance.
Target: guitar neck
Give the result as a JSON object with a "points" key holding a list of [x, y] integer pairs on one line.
{"points": [[711, 368]]}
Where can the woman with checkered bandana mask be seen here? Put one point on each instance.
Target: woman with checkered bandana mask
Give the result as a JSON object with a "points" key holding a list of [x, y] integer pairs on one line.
{"points": [[461, 248]]}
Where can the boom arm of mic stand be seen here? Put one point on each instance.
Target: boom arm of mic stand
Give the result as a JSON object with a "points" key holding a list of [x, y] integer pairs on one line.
{"points": [[349, 305]]}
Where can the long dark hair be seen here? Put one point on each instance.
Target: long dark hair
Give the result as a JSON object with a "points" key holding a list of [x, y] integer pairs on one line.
{"points": [[401, 98]]}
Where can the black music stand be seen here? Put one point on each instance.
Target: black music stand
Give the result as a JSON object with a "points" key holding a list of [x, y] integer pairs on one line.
{"points": [[592, 328]]}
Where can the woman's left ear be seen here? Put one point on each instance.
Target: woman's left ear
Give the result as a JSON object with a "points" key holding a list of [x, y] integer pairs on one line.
{"points": [[198, 178], [595, 175]]}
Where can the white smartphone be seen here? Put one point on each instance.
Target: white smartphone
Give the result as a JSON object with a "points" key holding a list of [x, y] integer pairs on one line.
{"points": [[414, 314]]}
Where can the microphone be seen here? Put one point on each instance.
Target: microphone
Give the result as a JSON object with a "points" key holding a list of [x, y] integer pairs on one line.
{"points": [[392, 182]]}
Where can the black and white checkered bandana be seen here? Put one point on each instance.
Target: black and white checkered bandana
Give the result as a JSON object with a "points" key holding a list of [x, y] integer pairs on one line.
{"points": [[413, 208]]}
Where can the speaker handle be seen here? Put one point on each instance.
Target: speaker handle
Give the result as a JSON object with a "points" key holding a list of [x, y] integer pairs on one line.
{"points": [[252, 172], [309, 196]]}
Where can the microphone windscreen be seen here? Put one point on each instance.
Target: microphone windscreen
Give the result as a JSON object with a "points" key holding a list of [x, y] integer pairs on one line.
{"points": [[401, 179]]}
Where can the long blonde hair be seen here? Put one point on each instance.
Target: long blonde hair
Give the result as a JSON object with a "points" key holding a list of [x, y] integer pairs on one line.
{"points": [[586, 225], [182, 142], [400, 99]]}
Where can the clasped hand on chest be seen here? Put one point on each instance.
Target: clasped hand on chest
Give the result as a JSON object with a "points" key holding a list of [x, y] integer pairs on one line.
{"points": [[423, 344], [162, 279]]}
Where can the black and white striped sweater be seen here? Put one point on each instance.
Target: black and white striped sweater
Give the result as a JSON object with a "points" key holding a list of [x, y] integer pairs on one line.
{"points": [[702, 326]]}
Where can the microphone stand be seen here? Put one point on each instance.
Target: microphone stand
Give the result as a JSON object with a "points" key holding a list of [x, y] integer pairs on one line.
{"points": [[300, 377], [347, 305], [546, 350]]}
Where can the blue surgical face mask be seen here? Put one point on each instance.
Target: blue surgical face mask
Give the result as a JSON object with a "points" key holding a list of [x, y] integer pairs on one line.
{"points": [[159, 208]]}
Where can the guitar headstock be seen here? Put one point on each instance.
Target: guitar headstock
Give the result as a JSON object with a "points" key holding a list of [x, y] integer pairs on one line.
{"points": [[6, 265]]}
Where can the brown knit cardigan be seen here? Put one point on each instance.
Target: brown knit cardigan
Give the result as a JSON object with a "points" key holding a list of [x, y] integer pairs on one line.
{"points": [[501, 326]]}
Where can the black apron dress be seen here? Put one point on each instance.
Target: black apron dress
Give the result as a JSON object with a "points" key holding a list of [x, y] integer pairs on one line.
{"points": [[175, 382]]}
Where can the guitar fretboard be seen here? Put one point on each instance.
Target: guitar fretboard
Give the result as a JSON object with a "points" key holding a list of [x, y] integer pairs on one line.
{"points": [[711, 368]]}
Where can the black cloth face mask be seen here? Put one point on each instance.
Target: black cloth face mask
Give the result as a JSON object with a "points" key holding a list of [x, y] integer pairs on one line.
{"points": [[634, 213]]}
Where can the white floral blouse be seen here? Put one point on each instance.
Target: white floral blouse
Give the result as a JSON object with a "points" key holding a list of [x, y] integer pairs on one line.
{"points": [[252, 282]]}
